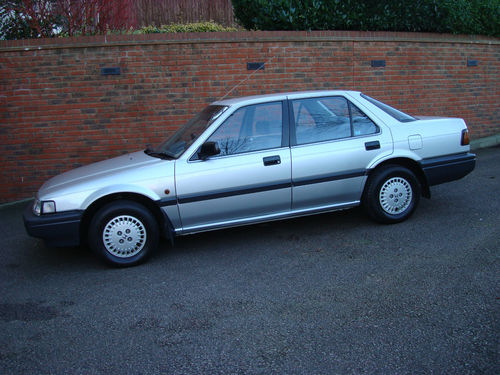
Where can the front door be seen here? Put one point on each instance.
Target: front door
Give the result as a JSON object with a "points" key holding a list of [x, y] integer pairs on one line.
{"points": [[248, 180]]}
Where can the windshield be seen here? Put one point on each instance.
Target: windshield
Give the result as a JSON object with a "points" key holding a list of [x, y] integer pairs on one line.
{"points": [[398, 115], [186, 135]]}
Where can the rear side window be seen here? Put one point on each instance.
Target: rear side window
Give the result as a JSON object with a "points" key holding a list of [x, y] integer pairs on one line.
{"points": [[330, 118]]}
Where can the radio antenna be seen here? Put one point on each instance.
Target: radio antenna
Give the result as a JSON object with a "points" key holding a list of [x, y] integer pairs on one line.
{"points": [[249, 76]]}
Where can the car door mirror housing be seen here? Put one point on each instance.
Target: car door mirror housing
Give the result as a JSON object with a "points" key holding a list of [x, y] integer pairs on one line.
{"points": [[208, 149]]}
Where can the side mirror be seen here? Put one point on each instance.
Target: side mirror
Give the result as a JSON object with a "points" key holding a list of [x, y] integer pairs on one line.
{"points": [[208, 149]]}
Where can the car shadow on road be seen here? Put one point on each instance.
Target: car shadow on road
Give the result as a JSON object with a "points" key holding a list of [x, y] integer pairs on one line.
{"points": [[263, 235]]}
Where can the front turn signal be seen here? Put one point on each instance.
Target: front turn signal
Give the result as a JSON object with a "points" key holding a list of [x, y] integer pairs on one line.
{"points": [[465, 138]]}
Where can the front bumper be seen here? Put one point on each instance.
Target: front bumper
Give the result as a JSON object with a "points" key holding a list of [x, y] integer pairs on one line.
{"points": [[57, 229], [448, 168]]}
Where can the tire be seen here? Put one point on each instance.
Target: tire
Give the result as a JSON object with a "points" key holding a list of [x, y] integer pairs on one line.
{"points": [[123, 233], [391, 195]]}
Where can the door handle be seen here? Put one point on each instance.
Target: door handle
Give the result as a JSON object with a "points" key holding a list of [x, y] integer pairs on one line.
{"points": [[372, 145], [272, 160]]}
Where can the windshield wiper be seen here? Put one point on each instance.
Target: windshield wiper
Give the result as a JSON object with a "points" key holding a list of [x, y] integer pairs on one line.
{"points": [[157, 154]]}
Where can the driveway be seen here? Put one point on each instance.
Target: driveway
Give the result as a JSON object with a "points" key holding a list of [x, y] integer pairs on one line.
{"points": [[328, 294]]}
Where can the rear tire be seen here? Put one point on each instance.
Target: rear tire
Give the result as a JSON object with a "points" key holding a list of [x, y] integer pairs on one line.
{"points": [[391, 195], [123, 233]]}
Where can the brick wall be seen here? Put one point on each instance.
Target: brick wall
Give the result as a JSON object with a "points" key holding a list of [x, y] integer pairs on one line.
{"points": [[58, 112]]}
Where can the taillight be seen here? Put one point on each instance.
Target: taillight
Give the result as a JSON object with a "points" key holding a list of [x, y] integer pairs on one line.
{"points": [[465, 138]]}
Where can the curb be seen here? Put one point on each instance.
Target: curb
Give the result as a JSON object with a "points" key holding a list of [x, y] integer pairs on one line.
{"points": [[485, 142], [10, 204]]}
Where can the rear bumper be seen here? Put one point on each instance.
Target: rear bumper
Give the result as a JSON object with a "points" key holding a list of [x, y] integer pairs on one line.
{"points": [[448, 168], [58, 229]]}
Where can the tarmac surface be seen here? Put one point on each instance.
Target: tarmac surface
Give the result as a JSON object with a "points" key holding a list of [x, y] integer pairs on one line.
{"points": [[328, 294]]}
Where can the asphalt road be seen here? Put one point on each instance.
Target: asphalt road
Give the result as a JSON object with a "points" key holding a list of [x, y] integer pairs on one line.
{"points": [[329, 294]]}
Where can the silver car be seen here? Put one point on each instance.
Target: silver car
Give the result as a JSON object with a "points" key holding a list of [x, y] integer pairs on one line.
{"points": [[253, 159]]}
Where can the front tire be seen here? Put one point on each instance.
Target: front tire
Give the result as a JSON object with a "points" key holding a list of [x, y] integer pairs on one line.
{"points": [[392, 193], [123, 233]]}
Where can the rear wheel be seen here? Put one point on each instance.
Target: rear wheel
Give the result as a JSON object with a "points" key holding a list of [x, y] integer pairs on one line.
{"points": [[392, 193], [123, 233]]}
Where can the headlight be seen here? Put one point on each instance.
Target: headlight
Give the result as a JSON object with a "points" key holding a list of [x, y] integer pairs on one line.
{"points": [[44, 207], [48, 207]]}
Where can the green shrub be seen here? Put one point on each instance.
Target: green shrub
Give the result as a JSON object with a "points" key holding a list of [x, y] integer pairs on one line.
{"points": [[185, 28], [473, 16], [456, 16]]}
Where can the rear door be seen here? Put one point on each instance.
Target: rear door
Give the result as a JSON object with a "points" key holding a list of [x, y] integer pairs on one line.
{"points": [[249, 179], [333, 142]]}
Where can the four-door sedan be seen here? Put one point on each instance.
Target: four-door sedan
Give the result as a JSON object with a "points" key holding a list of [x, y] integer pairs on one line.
{"points": [[249, 160]]}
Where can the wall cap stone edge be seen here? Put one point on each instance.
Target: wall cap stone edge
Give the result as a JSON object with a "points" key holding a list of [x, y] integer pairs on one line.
{"points": [[240, 37]]}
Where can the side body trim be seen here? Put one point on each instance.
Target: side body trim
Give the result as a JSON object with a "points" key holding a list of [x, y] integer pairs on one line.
{"points": [[231, 193], [330, 177], [166, 202], [261, 188]]}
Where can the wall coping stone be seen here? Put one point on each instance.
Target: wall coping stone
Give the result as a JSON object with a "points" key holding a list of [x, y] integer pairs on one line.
{"points": [[240, 37]]}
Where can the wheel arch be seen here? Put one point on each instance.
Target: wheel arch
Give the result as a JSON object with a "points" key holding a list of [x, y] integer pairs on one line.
{"points": [[410, 164], [159, 215]]}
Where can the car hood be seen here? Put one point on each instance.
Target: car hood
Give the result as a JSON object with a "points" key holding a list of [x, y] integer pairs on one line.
{"points": [[106, 171]]}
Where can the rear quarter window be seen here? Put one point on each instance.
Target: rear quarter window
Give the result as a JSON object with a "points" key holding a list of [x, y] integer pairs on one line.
{"points": [[393, 112]]}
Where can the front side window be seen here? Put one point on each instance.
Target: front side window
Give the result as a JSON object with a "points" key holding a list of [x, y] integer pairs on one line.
{"points": [[326, 119], [251, 128]]}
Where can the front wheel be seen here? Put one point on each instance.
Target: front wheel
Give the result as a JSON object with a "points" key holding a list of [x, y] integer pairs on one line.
{"points": [[123, 233], [392, 193]]}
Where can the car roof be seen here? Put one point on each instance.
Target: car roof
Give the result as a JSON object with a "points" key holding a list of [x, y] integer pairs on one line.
{"points": [[281, 96]]}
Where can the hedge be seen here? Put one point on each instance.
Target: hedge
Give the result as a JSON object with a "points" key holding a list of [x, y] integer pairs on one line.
{"points": [[208, 26], [441, 16]]}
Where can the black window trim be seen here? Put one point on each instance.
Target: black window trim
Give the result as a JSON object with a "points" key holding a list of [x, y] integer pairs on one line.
{"points": [[350, 117]]}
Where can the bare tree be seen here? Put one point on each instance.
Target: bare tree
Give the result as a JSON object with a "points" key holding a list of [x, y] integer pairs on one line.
{"points": [[95, 16], [46, 18]]}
